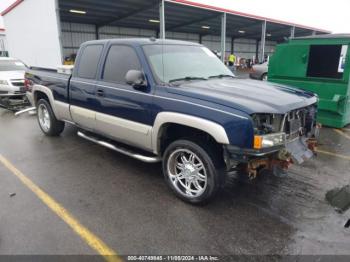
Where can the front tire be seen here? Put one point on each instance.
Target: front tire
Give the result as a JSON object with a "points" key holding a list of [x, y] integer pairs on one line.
{"points": [[47, 121], [193, 170]]}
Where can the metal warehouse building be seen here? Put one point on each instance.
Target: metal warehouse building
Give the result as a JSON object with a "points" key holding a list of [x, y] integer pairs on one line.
{"points": [[43, 32]]}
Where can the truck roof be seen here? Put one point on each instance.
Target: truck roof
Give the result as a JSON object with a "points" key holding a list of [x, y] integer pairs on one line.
{"points": [[142, 41]]}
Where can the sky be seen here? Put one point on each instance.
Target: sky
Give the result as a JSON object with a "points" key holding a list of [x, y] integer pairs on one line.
{"points": [[323, 14]]}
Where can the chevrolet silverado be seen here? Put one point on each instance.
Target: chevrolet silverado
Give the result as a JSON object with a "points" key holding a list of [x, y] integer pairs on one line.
{"points": [[176, 102]]}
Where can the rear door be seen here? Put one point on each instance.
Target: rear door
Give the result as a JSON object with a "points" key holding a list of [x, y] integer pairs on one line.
{"points": [[123, 112], [83, 86]]}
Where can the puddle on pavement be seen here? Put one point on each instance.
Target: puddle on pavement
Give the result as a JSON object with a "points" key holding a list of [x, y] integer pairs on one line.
{"points": [[339, 198]]}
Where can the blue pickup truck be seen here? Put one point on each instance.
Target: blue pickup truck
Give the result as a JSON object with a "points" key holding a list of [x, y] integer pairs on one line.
{"points": [[176, 102]]}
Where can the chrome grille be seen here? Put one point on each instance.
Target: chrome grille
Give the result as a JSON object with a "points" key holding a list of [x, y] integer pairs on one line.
{"points": [[295, 123]]}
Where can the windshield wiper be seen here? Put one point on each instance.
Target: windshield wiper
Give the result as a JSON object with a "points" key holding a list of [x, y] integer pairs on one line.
{"points": [[221, 76], [187, 78]]}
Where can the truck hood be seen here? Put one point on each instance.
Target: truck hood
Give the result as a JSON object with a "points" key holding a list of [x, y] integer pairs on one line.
{"points": [[7, 75], [249, 96]]}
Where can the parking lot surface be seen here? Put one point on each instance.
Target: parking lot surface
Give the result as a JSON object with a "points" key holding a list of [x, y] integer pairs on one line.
{"points": [[127, 204]]}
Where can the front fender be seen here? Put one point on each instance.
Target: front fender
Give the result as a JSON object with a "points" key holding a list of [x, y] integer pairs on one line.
{"points": [[215, 130]]}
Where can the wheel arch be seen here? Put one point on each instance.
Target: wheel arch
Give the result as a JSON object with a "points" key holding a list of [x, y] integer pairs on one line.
{"points": [[42, 92], [164, 120], [39, 92], [263, 74]]}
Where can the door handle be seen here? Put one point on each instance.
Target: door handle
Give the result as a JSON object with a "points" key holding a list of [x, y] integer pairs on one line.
{"points": [[100, 92]]}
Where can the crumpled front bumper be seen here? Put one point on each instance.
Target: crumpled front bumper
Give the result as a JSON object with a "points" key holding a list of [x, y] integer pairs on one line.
{"points": [[297, 151]]}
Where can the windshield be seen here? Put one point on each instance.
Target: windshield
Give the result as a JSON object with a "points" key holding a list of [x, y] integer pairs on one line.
{"points": [[184, 62], [12, 65]]}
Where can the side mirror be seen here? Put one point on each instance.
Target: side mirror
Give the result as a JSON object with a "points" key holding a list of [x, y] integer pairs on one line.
{"points": [[136, 79]]}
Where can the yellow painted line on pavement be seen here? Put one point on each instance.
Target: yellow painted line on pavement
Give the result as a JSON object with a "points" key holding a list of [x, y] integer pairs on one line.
{"points": [[342, 133], [332, 154], [85, 234]]}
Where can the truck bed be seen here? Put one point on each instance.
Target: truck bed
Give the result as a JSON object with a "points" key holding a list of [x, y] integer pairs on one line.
{"points": [[57, 82]]}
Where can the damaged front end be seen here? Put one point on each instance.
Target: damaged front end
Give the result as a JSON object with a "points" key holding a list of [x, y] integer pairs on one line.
{"points": [[279, 141]]}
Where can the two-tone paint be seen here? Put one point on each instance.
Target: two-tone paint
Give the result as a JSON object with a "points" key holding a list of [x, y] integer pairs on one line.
{"points": [[220, 107]]}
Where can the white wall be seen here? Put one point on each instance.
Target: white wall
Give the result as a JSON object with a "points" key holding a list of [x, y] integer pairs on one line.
{"points": [[32, 33]]}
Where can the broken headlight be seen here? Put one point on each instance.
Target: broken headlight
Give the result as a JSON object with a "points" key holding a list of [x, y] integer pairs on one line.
{"points": [[270, 140], [267, 130], [266, 123]]}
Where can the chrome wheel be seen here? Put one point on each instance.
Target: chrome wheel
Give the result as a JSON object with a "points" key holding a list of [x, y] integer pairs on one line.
{"points": [[187, 173], [44, 117]]}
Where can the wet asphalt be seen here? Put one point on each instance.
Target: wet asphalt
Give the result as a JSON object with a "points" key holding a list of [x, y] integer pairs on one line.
{"points": [[127, 204]]}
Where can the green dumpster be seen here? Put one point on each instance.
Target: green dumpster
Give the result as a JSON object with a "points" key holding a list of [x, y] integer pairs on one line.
{"points": [[319, 64]]}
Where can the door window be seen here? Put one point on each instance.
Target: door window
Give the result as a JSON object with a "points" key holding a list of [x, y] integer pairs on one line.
{"points": [[89, 61], [119, 61]]}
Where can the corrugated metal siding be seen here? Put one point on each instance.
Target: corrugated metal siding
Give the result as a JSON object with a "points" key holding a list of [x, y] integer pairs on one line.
{"points": [[214, 43], [183, 36], [270, 47], [74, 34], [244, 47], [247, 47], [122, 32]]}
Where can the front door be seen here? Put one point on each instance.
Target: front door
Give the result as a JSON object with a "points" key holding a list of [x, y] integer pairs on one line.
{"points": [[123, 112]]}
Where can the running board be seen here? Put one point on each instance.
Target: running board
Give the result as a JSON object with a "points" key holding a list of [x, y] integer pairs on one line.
{"points": [[25, 110], [148, 159]]}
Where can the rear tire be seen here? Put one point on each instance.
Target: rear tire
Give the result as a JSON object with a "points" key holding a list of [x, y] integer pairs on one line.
{"points": [[47, 120], [264, 77], [193, 170]]}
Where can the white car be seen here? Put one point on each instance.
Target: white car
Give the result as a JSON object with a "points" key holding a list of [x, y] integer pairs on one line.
{"points": [[260, 71], [11, 76]]}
